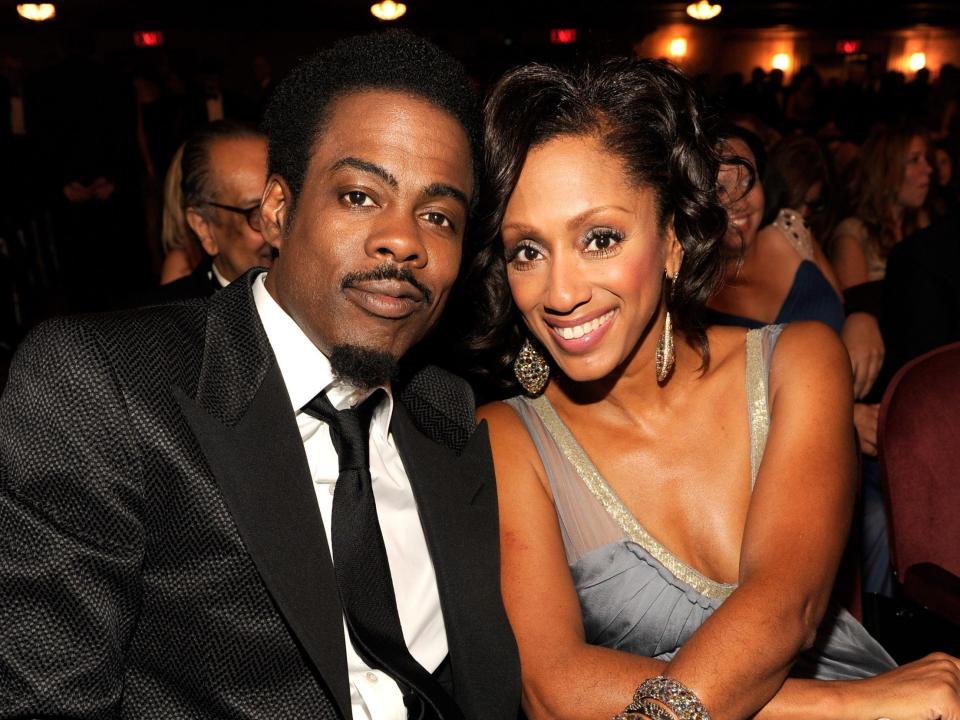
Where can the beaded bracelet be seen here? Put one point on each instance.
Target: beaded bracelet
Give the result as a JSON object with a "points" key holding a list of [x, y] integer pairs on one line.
{"points": [[675, 701]]}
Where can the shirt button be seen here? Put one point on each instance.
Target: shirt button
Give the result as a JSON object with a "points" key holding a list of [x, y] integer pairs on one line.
{"points": [[371, 678]]}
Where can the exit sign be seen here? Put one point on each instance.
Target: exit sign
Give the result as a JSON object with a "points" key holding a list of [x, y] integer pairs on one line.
{"points": [[563, 36]]}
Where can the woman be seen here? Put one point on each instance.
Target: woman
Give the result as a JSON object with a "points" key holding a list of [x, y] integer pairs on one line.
{"points": [[781, 275], [890, 189], [604, 201], [182, 253]]}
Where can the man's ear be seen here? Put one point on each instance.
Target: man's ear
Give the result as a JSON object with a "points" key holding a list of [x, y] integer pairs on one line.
{"points": [[203, 229], [274, 211]]}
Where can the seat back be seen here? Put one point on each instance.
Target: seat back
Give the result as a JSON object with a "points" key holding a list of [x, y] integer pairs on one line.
{"points": [[919, 441]]}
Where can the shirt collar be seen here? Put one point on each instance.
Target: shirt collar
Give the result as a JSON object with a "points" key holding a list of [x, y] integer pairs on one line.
{"points": [[221, 280], [305, 370]]}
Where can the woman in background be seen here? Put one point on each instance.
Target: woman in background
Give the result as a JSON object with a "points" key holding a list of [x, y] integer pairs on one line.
{"points": [[182, 253], [776, 271]]}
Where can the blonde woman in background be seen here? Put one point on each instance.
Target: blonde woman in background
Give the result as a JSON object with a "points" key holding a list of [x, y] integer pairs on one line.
{"points": [[181, 251]]}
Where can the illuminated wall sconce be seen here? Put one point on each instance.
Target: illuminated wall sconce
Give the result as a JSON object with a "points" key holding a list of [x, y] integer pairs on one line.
{"points": [[678, 47], [388, 10], [781, 61], [703, 10], [918, 61], [38, 12]]}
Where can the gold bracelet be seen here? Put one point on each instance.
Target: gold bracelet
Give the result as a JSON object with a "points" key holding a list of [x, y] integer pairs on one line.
{"points": [[676, 701], [645, 708]]}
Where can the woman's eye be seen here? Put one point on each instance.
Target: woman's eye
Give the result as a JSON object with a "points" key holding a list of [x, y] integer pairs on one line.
{"points": [[603, 240], [356, 198], [523, 254]]}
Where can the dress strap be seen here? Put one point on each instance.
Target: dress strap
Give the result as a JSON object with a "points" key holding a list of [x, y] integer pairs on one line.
{"points": [[795, 229], [760, 344]]}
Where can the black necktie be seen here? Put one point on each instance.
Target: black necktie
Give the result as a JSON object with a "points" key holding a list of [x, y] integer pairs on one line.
{"points": [[361, 566]]}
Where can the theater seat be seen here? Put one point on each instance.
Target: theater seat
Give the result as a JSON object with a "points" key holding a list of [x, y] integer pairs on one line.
{"points": [[919, 441]]}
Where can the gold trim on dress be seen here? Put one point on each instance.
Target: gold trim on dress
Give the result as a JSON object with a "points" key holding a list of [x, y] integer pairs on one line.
{"points": [[606, 496], [756, 401]]}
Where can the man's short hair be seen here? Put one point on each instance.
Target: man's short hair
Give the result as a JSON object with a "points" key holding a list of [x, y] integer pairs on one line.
{"points": [[196, 177], [390, 60]]}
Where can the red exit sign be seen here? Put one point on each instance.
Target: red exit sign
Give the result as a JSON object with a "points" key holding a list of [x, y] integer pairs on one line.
{"points": [[563, 36], [848, 47], [153, 38]]}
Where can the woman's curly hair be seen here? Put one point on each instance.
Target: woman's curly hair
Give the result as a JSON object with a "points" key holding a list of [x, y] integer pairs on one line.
{"points": [[647, 113]]}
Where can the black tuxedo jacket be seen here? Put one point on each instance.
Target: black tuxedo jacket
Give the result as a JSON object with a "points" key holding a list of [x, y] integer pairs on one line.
{"points": [[161, 550]]}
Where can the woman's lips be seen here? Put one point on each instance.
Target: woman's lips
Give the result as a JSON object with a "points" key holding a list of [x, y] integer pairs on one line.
{"points": [[581, 335], [388, 299]]}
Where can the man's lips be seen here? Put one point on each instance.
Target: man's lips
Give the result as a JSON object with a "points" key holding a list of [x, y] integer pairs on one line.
{"points": [[391, 299]]}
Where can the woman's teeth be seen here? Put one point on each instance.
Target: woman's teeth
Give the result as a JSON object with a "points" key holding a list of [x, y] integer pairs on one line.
{"points": [[578, 331]]}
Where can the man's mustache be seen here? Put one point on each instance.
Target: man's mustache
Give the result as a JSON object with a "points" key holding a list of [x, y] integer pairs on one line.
{"points": [[387, 271]]}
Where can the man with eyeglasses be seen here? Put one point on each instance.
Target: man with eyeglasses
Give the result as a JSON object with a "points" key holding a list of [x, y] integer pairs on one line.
{"points": [[224, 172]]}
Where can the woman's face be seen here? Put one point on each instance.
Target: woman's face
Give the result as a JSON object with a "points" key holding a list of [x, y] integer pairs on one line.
{"points": [[585, 257], [916, 175], [744, 206]]}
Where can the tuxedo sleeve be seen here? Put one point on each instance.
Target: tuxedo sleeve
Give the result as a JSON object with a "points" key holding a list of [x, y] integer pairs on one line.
{"points": [[71, 540]]}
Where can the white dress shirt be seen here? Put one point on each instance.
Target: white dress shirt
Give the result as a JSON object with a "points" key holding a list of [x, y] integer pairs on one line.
{"points": [[306, 371]]}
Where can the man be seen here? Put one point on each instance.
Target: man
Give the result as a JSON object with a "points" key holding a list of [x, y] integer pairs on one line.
{"points": [[224, 171], [921, 295], [174, 478]]}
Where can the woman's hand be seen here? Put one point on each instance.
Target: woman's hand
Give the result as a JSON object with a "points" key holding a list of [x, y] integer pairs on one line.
{"points": [[861, 335], [865, 418], [927, 689]]}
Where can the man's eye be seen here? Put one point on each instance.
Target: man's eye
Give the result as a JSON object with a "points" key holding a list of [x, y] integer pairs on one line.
{"points": [[358, 199], [435, 218]]}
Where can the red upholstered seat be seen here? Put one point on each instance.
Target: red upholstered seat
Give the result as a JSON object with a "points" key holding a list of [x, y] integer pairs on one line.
{"points": [[919, 439]]}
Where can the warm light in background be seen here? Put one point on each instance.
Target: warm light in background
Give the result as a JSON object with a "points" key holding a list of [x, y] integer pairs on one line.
{"points": [[563, 36], [781, 61], [678, 47], [37, 12], [388, 10], [703, 10], [918, 61]]}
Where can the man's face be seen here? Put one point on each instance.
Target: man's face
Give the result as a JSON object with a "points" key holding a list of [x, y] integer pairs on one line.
{"points": [[374, 245], [238, 173]]}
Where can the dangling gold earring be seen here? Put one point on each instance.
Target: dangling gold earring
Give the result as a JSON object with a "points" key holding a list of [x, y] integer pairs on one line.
{"points": [[665, 354], [531, 368]]}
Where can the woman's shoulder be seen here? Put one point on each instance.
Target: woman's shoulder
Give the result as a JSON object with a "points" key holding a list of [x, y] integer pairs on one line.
{"points": [[851, 226], [792, 231], [795, 343]]}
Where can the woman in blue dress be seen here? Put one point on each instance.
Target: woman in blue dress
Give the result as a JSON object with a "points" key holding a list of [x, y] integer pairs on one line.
{"points": [[671, 515]]}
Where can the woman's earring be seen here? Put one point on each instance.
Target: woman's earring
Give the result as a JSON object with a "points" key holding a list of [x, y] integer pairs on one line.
{"points": [[665, 354], [531, 369]]}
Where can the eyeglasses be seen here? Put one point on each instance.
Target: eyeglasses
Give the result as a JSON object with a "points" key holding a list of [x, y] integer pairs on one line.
{"points": [[252, 214]]}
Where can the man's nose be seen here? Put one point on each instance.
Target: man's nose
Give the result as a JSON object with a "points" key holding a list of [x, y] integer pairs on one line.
{"points": [[398, 237]]}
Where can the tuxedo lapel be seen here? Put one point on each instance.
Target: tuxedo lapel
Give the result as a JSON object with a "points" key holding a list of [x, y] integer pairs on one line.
{"points": [[456, 499], [242, 419]]}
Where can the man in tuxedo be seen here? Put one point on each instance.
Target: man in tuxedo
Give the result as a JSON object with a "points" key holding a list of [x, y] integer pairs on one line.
{"points": [[224, 172], [175, 479]]}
